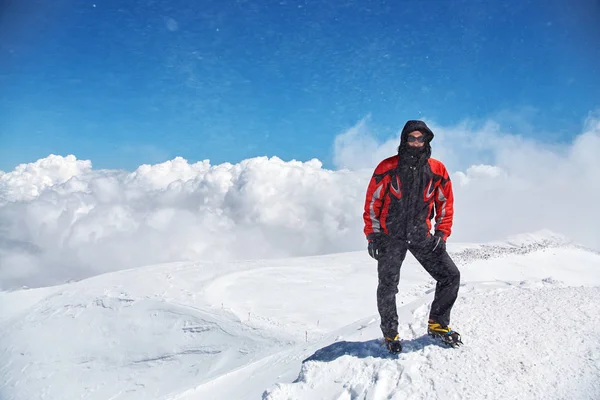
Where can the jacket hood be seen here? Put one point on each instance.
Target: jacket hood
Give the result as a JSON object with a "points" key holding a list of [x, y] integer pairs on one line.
{"points": [[415, 156], [415, 125]]}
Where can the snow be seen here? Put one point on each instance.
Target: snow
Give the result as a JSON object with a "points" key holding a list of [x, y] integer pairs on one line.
{"points": [[307, 328], [539, 349]]}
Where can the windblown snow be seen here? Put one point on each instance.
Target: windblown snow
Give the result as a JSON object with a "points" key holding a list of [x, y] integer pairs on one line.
{"points": [[307, 328]]}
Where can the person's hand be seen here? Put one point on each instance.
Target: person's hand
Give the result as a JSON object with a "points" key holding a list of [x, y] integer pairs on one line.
{"points": [[374, 246]]}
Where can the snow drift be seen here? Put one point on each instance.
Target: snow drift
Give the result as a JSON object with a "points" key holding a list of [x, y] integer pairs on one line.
{"points": [[306, 328]]}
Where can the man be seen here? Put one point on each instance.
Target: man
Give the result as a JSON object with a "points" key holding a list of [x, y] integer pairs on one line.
{"points": [[404, 193]]}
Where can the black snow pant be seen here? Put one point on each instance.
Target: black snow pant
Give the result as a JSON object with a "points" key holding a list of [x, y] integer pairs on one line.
{"points": [[436, 262]]}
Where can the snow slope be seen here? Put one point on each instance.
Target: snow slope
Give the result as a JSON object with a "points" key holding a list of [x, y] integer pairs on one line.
{"points": [[307, 328], [522, 342]]}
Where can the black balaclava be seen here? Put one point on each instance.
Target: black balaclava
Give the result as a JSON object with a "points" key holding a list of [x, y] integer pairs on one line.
{"points": [[410, 155]]}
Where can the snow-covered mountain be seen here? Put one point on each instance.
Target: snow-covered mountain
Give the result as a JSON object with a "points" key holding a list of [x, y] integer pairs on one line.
{"points": [[307, 328]]}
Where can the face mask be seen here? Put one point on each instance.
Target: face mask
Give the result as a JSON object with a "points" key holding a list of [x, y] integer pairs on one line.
{"points": [[415, 151]]}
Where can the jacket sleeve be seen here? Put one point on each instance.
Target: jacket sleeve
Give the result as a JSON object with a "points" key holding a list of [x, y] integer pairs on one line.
{"points": [[373, 204], [444, 206]]}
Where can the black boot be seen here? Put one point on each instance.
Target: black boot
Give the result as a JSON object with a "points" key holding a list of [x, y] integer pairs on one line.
{"points": [[393, 345]]}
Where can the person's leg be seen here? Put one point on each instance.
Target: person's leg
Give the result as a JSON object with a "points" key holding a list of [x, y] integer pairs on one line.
{"points": [[388, 270], [441, 268]]}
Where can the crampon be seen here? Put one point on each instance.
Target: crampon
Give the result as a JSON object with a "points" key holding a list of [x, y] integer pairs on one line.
{"points": [[445, 334]]}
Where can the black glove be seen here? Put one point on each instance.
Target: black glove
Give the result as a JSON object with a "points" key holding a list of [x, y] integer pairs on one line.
{"points": [[439, 244], [374, 246]]}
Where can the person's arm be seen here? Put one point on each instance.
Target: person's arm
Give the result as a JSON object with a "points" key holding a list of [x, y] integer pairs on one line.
{"points": [[373, 203], [444, 207]]}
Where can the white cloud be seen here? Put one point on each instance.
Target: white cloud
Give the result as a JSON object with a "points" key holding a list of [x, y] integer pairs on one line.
{"points": [[60, 219], [357, 148], [73, 222], [27, 181]]}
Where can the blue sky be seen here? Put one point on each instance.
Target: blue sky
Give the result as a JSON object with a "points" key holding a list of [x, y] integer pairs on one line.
{"points": [[127, 83]]}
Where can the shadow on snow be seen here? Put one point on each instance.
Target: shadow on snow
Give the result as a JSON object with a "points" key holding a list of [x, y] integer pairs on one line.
{"points": [[371, 348]]}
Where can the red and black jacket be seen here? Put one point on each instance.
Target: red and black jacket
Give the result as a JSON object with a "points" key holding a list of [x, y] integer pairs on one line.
{"points": [[404, 210]]}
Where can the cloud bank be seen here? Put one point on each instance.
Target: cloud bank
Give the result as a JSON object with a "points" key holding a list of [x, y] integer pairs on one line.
{"points": [[60, 219]]}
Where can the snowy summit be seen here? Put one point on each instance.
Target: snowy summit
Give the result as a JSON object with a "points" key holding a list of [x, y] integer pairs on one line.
{"points": [[307, 328]]}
